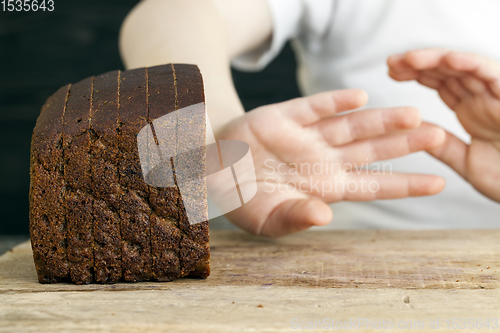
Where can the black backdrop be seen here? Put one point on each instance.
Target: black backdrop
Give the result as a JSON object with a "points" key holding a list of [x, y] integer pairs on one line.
{"points": [[40, 52]]}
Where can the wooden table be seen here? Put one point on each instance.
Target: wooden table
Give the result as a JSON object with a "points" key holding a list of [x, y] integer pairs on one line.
{"points": [[261, 285]]}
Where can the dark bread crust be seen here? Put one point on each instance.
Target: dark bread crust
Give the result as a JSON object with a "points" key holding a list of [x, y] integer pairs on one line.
{"points": [[78, 202], [47, 223], [93, 218]]}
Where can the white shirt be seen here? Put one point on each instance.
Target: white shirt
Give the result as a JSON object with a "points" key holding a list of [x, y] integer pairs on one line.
{"points": [[345, 44]]}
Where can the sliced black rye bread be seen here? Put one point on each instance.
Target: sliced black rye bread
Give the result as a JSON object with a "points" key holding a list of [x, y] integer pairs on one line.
{"points": [[111, 225], [104, 156], [194, 247], [47, 217], [134, 206], [165, 233], [78, 201]]}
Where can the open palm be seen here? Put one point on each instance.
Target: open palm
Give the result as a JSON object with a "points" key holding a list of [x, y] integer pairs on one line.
{"points": [[470, 85], [307, 155]]}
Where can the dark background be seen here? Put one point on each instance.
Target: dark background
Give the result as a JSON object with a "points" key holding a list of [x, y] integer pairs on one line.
{"points": [[40, 52]]}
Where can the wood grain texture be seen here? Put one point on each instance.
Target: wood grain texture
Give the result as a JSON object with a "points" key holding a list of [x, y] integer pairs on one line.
{"points": [[308, 276]]}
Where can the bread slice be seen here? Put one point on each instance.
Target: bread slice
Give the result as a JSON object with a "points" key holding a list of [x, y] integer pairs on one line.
{"points": [[77, 198], [47, 215], [104, 154], [165, 233], [194, 246]]}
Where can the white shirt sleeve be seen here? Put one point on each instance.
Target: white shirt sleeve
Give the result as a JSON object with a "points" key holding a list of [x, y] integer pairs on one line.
{"points": [[291, 18]]}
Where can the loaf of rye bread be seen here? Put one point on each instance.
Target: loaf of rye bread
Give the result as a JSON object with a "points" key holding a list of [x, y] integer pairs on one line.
{"points": [[93, 218]]}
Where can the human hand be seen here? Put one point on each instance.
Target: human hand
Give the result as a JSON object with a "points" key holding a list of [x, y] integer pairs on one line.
{"points": [[308, 131], [470, 85]]}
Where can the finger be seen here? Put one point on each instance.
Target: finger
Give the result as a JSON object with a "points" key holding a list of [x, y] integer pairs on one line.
{"points": [[373, 184], [392, 186], [307, 110], [404, 75], [481, 67], [425, 59], [397, 63], [453, 152], [448, 97], [446, 71], [414, 64], [495, 87], [429, 81], [296, 215], [457, 88], [474, 85], [366, 124], [431, 59], [434, 74], [392, 145]]}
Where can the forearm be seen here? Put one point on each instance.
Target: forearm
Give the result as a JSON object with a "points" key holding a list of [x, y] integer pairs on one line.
{"points": [[184, 31]]}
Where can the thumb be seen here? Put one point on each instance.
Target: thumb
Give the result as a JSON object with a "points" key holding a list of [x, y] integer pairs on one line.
{"points": [[453, 152], [296, 215]]}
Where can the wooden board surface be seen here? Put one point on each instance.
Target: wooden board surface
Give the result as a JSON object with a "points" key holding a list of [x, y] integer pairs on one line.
{"points": [[261, 285]]}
